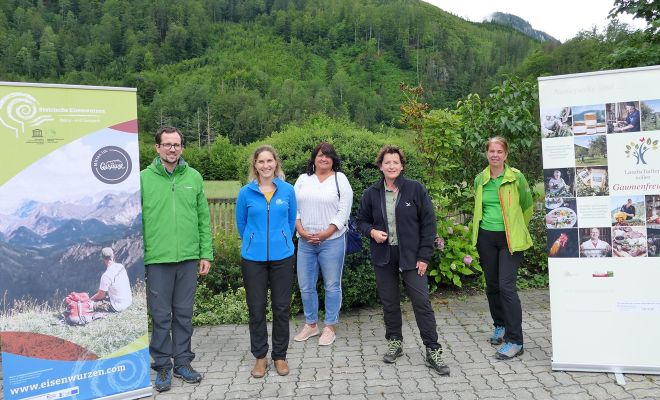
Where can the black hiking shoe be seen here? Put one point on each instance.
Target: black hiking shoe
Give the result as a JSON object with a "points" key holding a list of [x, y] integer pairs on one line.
{"points": [[394, 351], [434, 361]]}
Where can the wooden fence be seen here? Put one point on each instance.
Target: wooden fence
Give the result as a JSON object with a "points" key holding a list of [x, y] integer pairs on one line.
{"points": [[223, 215]]}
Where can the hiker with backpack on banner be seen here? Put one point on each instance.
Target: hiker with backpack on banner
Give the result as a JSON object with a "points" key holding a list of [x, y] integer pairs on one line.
{"points": [[114, 294]]}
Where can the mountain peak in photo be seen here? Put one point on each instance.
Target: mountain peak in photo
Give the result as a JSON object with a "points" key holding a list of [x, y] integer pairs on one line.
{"points": [[520, 25]]}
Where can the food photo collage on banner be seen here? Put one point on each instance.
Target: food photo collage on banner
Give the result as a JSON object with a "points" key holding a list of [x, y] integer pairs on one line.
{"points": [[594, 206]]}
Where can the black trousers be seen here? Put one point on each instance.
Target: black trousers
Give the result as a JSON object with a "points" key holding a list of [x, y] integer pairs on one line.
{"points": [[417, 288], [501, 271], [258, 277]]}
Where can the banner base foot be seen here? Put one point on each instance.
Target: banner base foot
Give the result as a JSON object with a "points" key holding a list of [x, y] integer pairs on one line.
{"points": [[620, 379]]}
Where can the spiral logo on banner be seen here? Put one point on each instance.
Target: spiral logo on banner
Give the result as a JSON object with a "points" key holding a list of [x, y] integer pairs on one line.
{"points": [[122, 376], [18, 110], [113, 375], [111, 164]]}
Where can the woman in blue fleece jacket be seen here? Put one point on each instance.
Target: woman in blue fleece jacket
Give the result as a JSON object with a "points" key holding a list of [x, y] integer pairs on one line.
{"points": [[266, 220]]}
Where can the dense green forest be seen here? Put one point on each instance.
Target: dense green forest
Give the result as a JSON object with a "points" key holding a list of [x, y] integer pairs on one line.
{"points": [[246, 68], [243, 69]]}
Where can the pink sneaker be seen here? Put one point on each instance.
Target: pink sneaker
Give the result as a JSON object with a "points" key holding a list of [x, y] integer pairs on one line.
{"points": [[327, 337], [306, 332]]}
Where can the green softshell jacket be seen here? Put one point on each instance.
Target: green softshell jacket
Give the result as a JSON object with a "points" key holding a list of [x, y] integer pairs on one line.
{"points": [[175, 215], [517, 206]]}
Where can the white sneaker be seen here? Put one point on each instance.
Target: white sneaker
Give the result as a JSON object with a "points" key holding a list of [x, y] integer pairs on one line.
{"points": [[306, 332], [328, 337]]}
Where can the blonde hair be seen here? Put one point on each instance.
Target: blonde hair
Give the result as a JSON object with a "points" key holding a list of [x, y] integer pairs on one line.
{"points": [[252, 170], [500, 140]]}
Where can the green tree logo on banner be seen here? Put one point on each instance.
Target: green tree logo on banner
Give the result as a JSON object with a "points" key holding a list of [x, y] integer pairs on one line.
{"points": [[638, 150]]}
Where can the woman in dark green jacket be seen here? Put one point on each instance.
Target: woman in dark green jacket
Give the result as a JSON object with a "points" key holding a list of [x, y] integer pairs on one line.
{"points": [[502, 211]]}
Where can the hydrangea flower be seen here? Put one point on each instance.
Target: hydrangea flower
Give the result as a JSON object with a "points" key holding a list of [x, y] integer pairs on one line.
{"points": [[440, 243]]}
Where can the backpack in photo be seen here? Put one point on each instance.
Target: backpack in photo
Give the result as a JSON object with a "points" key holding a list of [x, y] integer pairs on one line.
{"points": [[79, 310]]}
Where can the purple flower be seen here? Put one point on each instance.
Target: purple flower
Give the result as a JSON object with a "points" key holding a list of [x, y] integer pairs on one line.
{"points": [[467, 259], [440, 243], [450, 230]]}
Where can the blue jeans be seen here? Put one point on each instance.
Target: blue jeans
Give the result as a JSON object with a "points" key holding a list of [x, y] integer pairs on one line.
{"points": [[328, 257]]}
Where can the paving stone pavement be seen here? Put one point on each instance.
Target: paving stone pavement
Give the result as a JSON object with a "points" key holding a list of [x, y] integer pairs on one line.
{"points": [[352, 368]]}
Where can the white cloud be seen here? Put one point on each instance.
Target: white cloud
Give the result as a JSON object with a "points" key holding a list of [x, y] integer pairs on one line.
{"points": [[66, 173]]}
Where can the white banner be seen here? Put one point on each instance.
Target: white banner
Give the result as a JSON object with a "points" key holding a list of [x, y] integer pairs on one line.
{"points": [[601, 159]]}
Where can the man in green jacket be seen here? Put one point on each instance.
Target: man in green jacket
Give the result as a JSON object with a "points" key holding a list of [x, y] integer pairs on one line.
{"points": [[177, 245]]}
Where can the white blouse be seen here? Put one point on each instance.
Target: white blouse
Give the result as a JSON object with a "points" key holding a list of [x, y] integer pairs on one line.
{"points": [[319, 205]]}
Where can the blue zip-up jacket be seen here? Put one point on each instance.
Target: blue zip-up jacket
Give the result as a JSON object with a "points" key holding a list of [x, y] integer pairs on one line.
{"points": [[266, 229]]}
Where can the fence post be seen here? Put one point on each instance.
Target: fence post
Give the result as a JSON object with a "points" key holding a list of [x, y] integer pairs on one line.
{"points": [[223, 214]]}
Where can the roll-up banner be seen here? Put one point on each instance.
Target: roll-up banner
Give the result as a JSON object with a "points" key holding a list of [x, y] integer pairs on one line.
{"points": [[73, 314], [601, 171]]}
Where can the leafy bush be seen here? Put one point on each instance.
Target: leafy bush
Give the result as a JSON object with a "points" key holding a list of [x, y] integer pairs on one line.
{"points": [[225, 273], [533, 272], [230, 307], [357, 148], [213, 308], [457, 258], [217, 162], [147, 153]]}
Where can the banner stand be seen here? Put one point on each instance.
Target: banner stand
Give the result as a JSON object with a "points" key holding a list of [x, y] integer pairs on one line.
{"points": [[73, 310], [601, 169]]}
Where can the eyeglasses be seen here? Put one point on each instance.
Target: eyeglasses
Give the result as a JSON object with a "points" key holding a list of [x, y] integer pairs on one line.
{"points": [[170, 146]]}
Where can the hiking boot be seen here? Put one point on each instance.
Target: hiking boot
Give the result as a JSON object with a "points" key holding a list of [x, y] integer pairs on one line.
{"points": [[509, 350], [327, 337], [163, 380], [306, 332], [282, 367], [394, 351], [498, 335], [260, 367], [434, 361], [187, 373]]}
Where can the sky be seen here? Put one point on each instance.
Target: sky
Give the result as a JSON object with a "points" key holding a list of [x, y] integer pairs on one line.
{"points": [[562, 19], [66, 175]]}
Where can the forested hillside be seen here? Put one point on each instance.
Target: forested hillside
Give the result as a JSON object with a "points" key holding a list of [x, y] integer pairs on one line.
{"points": [[244, 68]]}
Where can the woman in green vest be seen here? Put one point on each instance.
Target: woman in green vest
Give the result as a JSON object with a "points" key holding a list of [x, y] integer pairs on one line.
{"points": [[502, 211]]}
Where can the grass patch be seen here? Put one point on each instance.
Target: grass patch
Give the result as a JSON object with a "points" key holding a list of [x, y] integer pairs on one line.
{"points": [[102, 336], [222, 189], [591, 161]]}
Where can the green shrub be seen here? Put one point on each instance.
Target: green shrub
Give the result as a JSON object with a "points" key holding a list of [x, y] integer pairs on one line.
{"points": [[358, 283], [457, 257], [219, 308], [219, 162], [225, 273], [229, 307], [533, 271], [147, 154], [357, 148]]}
